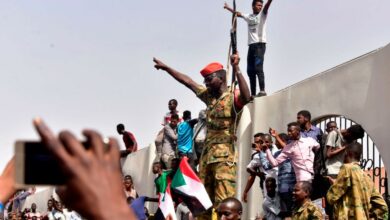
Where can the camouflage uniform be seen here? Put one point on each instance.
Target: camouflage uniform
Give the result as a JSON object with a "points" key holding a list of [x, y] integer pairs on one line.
{"points": [[217, 168], [308, 211], [354, 195]]}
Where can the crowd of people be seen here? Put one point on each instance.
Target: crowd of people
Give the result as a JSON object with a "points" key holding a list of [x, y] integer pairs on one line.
{"points": [[289, 165]]}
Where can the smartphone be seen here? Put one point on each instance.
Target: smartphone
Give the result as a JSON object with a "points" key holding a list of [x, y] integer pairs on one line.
{"points": [[36, 165]]}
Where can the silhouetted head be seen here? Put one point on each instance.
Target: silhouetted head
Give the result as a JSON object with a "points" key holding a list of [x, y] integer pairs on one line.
{"points": [[186, 115], [353, 152], [353, 133], [120, 128]]}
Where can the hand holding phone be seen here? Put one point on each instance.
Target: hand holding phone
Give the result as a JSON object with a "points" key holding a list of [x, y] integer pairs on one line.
{"points": [[93, 184]]}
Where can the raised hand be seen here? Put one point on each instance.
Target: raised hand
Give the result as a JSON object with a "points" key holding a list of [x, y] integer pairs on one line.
{"points": [[273, 132], [159, 65], [235, 59], [93, 184]]}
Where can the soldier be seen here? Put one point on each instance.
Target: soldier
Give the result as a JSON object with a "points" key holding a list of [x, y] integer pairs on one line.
{"points": [[304, 208], [218, 161], [353, 194]]}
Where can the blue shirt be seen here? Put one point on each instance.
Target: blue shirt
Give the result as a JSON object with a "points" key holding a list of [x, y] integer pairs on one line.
{"points": [[314, 132], [185, 134], [286, 176]]}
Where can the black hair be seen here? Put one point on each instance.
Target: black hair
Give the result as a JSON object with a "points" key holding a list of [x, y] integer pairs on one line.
{"points": [[174, 116], [305, 113], [258, 135], [284, 137], [120, 127], [328, 124], [306, 186], [355, 150], [294, 123], [255, 1], [271, 180], [268, 135], [186, 115], [356, 131], [235, 201], [173, 100], [128, 177]]}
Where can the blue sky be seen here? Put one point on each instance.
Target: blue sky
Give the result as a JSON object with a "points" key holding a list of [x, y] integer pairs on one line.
{"points": [[88, 64]]}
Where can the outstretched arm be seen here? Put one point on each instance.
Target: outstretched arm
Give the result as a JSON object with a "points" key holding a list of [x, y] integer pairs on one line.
{"points": [[266, 7], [244, 90], [182, 78], [227, 7]]}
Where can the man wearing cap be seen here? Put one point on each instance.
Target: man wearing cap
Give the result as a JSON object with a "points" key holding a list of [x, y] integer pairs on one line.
{"points": [[217, 163]]}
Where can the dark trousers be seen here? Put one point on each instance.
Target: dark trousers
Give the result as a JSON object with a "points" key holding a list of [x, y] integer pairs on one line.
{"points": [[255, 62]]}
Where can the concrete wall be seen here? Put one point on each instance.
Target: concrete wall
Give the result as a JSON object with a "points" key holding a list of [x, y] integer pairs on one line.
{"points": [[358, 89], [139, 166]]}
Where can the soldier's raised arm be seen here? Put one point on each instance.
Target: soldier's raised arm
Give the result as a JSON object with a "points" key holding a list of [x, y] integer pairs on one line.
{"points": [[182, 78]]}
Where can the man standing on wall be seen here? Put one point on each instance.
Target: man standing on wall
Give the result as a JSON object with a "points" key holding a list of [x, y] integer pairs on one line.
{"points": [[256, 41], [218, 160]]}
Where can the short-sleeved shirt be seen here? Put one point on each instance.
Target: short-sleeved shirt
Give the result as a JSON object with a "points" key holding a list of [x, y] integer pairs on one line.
{"points": [[220, 120], [334, 140], [354, 196], [256, 27], [308, 211], [130, 142]]}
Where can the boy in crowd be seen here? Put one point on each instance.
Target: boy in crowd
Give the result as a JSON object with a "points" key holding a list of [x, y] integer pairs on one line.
{"points": [[169, 141], [128, 187], [256, 41], [286, 177], [185, 133], [230, 208], [172, 105], [353, 194], [254, 165], [266, 167], [304, 208], [271, 203], [336, 144], [129, 140]]}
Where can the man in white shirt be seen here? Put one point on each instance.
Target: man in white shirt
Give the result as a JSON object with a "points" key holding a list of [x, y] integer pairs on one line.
{"points": [[256, 41]]}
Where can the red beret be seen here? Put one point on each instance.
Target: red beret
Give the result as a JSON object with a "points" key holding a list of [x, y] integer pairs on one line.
{"points": [[211, 68]]}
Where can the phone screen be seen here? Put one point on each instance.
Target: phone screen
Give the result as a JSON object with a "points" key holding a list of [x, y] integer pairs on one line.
{"points": [[40, 166]]}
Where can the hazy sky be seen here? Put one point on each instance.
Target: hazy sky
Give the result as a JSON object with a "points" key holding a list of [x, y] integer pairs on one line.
{"points": [[88, 64]]}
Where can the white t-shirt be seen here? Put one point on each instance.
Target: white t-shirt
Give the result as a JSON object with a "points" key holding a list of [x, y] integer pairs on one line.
{"points": [[333, 164], [256, 27]]}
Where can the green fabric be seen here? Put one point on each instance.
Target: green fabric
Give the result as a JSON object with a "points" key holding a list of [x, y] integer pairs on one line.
{"points": [[161, 181], [178, 179]]}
